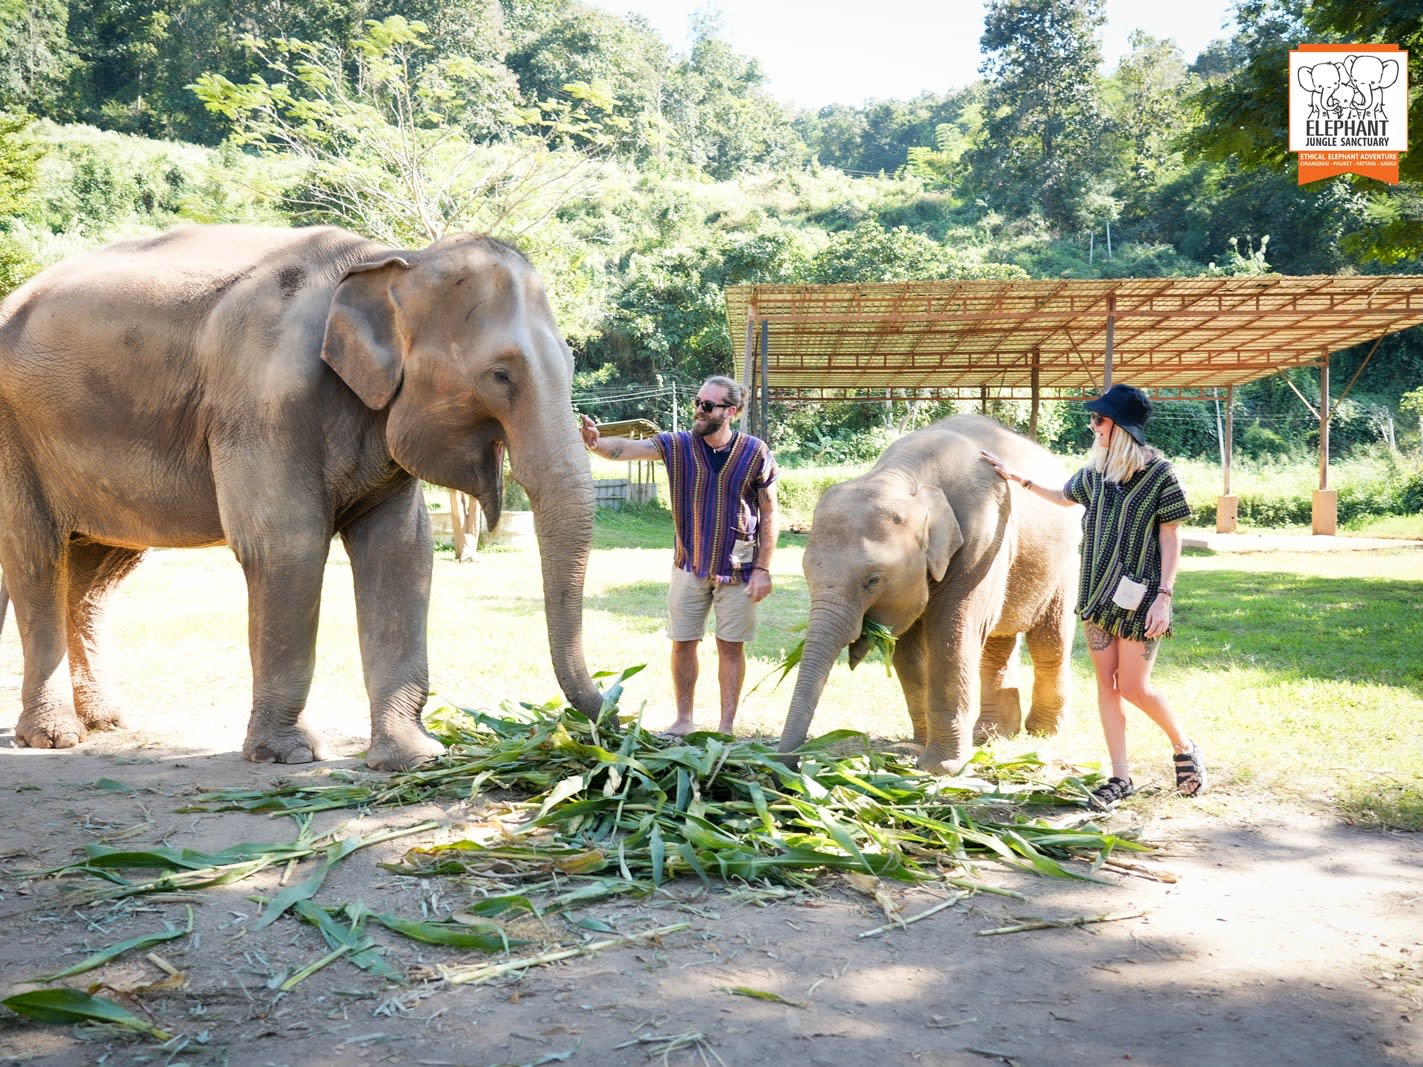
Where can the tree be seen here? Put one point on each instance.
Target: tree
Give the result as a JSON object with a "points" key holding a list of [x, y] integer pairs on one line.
{"points": [[37, 54], [1042, 109], [870, 253], [726, 123], [1143, 101], [19, 166], [406, 147], [1244, 112], [555, 43]]}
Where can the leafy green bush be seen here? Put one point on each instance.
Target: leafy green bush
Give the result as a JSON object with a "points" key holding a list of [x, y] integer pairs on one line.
{"points": [[1256, 440], [799, 490]]}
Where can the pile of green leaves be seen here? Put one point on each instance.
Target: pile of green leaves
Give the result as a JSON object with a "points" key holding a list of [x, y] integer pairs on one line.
{"points": [[586, 808], [602, 799]]}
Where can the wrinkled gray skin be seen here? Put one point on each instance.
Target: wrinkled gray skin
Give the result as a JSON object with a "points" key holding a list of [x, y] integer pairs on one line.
{"points": [[932, 543], [270, 389]]}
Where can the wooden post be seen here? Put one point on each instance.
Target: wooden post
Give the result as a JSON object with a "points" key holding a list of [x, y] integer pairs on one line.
{"points": [[1111, 333], [763, 418], [1227, 508], [1037, 399], [1324, 508], [748, 371]]}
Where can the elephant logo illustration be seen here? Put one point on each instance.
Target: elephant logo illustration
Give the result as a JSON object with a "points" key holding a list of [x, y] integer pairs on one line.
{"points": [[1348, 91], [1348, 110]]}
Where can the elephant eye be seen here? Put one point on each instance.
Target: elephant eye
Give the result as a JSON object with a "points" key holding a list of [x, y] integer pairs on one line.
{"points": [[502, 376], [874, 581]]}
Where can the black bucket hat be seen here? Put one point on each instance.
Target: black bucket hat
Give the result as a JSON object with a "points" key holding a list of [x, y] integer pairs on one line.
{"points": [[1125, 405]]}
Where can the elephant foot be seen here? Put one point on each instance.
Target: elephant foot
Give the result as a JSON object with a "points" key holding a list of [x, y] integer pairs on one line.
{"points": [[906, 748], [101, 715], [984, 732], [51, 728], [291, 745], [935, 764], [401, 749], [1044, 724]]}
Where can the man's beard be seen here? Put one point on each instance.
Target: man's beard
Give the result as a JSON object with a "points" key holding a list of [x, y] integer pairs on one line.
{"points": [[707, 425]]}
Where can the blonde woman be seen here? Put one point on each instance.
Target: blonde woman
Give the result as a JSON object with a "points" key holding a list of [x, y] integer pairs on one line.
{"points": [[1131, 546]]}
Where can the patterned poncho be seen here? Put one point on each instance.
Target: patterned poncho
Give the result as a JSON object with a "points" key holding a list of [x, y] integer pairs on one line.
{"points": [[712, 509], [1121, 535]]}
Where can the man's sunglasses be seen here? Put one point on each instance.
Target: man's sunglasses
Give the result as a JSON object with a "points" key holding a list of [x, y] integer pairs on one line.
{"points": [[708, 406], [1095, 419]]}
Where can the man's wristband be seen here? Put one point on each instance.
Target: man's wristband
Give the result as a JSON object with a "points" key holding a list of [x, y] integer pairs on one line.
{"points": [[1163, 592]]}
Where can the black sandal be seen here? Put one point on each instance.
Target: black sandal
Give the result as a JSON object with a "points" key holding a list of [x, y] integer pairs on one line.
{"points": [[1190, 772], [1110, 793]]}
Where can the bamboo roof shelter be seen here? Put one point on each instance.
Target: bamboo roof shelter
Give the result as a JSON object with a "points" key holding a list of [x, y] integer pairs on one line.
{"points": [[1178, 338]]}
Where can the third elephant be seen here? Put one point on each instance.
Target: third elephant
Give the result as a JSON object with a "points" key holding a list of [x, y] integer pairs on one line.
{"points": [[934, 545]]}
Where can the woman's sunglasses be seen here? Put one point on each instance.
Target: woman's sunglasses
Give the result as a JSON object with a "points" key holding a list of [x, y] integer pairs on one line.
{"points": [[708, 406]]}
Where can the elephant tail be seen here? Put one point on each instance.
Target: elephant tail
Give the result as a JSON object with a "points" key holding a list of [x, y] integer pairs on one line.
{"points": [[4, 602]]}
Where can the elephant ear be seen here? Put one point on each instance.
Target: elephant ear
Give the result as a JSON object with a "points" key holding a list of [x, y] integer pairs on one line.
{"points": [[364, 341], [942, 536]]}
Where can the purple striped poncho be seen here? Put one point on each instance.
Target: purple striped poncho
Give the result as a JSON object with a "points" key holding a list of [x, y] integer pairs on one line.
{"points": [[712, 510]]}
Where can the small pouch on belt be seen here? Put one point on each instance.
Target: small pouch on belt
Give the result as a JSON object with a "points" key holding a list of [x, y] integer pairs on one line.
{"points": [[1129, 593]]}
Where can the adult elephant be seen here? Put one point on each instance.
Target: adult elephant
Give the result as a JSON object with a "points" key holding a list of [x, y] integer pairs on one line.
{"points": [[270, 389], [934, 545]]}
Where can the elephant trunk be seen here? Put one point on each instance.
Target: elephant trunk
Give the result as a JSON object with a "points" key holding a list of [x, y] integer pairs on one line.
{"points": [[561, 497], [833, 624]]}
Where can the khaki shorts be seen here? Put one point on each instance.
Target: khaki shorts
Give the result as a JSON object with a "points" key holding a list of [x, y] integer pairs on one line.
{"points": [[690, 600]]}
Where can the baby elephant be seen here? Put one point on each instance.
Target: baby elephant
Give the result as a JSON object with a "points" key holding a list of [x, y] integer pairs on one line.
{"points": [[957, 563]]}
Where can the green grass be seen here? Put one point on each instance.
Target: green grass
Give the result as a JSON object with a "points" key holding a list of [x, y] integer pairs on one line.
{"points": [[1298, 673]]}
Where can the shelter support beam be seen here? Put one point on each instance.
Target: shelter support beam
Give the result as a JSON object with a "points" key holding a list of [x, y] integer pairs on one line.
{"points": [[1324, 508], [763, 423], [1111, 338], [1227, 505], [1035, 388], [748, 372]]}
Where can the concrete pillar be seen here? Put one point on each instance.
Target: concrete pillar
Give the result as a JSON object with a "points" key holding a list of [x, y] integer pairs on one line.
{"points": [[1227, 513], [1324, 512]]}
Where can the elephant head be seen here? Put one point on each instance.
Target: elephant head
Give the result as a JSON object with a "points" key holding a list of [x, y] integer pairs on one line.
{"points": [[1328, 86], [877, 543], [458, 346], [1370, 76]]}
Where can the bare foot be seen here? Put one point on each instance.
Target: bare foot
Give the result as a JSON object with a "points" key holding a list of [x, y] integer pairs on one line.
{"points": [[681, 727]]}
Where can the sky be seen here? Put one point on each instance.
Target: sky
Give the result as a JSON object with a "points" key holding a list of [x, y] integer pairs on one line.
{"points": [[818, 52]]}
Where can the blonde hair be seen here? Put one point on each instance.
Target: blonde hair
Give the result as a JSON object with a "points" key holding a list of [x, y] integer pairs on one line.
{"points": [[1122, 457]]}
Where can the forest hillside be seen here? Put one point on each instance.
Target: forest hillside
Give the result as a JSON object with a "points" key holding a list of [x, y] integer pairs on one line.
{"points": [[642, 180]]}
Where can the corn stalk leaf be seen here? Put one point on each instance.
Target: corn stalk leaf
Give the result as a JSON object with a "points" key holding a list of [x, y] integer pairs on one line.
{"points": [[65, 1005], [113, 952]]}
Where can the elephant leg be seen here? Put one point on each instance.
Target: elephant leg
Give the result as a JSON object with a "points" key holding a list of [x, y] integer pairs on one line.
{"points": [[283, 606], [391, 551], [1050, 645], [34, 576], [911, 664], [954, 696], [94, 572], [1001, 711]]}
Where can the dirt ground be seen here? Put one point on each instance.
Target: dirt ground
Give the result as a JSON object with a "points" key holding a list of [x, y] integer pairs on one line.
{"points": [[1256, 934]]}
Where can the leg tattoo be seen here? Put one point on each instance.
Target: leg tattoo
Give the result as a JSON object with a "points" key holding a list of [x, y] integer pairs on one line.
{"points": [[1097, 638]]}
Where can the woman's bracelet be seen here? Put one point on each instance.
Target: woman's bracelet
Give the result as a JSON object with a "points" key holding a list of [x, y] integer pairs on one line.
{"points": [[1027, 485]]}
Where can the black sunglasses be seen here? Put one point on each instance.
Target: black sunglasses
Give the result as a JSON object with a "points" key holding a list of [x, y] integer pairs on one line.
{"points": [[1095, 419], [707, 406]]}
